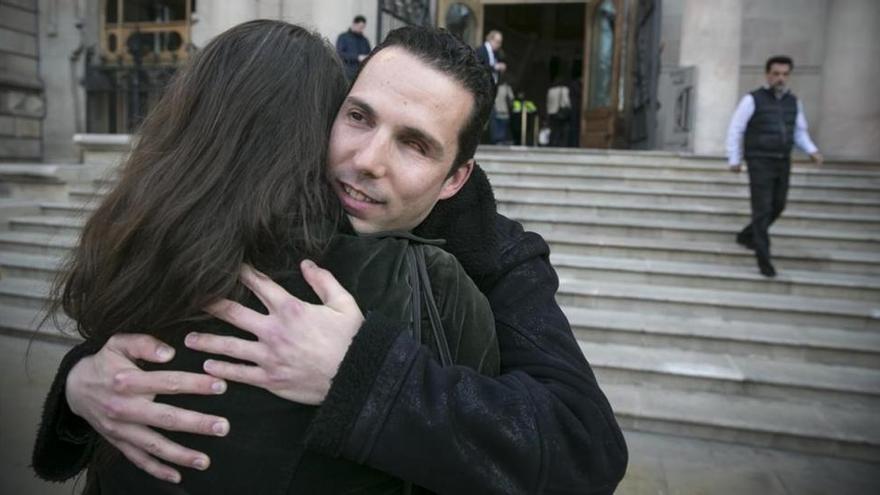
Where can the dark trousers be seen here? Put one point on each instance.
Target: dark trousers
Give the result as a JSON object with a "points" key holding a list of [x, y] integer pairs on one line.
{"points": [[768, 185], [559, 128]]}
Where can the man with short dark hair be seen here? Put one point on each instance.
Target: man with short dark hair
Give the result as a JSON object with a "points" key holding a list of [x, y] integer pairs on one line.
{"points": [[400, 158], [353, 47], [770, 120]]}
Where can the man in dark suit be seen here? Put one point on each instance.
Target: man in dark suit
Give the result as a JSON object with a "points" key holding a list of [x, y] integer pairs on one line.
{"points": [[487, 53]]}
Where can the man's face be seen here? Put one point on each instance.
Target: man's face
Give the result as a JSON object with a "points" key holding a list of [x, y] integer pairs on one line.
{"points": [[777, 76], [495, 41], [394, 140], [358, 27]]}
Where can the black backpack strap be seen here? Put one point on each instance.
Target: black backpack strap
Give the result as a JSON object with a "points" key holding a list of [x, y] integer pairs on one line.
{"points": [[430, 306]]}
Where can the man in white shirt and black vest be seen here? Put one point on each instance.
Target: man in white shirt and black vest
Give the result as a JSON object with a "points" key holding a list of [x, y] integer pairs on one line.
{"points": [[769, 120]]}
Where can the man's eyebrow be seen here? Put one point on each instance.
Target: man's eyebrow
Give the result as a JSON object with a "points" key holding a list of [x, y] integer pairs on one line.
{"points": [[367, 109], [435, 148]]}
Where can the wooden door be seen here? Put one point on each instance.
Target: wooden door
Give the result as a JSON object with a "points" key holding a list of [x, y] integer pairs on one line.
{"points": [[602, 65]]}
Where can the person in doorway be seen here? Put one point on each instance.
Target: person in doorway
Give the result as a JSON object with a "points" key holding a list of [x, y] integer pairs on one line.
{"points": [[405, 133], [523, 115], [559, 112], [353, 47], [500, 124], [489, 53], [768, 122]]}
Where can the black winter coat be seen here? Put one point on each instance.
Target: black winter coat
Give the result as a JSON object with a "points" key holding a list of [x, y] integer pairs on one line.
{"points": [[541, 426]]}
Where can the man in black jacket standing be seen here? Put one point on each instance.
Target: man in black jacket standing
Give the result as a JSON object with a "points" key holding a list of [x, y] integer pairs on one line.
{"points": [[400, 158], [772, 120], [353, 47]]}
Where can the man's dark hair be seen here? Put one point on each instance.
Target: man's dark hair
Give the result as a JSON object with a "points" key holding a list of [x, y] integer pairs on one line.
{"points": [[446, 53], [778, 59], [359, 19]]}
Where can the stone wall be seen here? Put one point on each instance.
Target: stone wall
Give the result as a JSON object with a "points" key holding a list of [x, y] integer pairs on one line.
{"points": [[834, 45], [66, 29], [22, 102], [327, 18]]}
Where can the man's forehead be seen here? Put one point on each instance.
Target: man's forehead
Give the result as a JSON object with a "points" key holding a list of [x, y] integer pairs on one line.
{"points": [[395, 66]]}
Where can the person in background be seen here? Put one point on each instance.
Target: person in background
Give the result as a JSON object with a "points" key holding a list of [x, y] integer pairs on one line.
{"points": [[488, 53], [575, 92], [500, 123], [559, 113], [770, 120], [353, 47], [520, 105]]}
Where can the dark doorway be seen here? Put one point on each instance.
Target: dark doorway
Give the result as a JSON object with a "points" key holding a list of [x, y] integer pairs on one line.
{"points": [[542, 43]]}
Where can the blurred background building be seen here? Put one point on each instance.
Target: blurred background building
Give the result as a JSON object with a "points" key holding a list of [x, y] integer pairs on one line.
{"points": [[653, 74]]}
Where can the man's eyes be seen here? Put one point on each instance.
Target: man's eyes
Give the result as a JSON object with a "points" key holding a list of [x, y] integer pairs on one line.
{"points": [[356, 116]]}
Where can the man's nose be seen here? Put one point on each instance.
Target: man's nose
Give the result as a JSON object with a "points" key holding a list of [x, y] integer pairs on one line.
{"points": [[371, 159]]}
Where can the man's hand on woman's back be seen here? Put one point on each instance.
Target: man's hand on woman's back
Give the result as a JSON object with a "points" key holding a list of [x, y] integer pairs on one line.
{"points": [[116, 398]]}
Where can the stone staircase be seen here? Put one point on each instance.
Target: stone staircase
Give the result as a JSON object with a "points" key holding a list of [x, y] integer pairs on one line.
{"points": [[686, 337], [684, 334]]}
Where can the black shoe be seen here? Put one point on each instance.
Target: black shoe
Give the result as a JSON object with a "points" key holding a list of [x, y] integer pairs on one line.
{"points": [[747, 243], [766, 267]]}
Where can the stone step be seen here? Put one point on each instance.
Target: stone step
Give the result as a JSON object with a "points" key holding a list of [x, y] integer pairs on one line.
{"points": [[803, 343], [799, 176], [24, 293], [506, 187], [619, 208], [29, 266], [713, 276], [63, 225], [725, 252], [739, 376], [826, 430], [31, 323], [68, 209], [36, 243], [728, 305], [12, 207], [733, 184], [661, 160], [649, 229]]}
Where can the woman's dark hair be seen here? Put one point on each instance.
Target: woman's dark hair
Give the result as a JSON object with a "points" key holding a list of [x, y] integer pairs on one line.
{"points": [[449, 55], [229, 167], [778, 59]]}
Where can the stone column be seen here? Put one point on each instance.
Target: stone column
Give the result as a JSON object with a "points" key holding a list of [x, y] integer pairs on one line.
{"points": [[850, 126], [710, 41], [216, 16]]}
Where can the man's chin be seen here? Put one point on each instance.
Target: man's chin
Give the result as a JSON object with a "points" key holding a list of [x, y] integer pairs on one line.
{"points": [[362, 226]]}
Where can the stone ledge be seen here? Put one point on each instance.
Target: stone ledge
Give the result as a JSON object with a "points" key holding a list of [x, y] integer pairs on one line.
{"points": [[103, 142]]}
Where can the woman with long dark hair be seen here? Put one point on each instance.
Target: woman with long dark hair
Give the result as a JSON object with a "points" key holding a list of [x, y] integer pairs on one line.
{"points": [[229, 169]]}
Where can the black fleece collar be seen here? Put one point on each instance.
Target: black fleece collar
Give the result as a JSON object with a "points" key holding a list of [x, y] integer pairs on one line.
{"points": [[467, 222]]}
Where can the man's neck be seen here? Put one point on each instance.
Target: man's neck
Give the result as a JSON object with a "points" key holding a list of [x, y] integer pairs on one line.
{"points": [[777, 91]]}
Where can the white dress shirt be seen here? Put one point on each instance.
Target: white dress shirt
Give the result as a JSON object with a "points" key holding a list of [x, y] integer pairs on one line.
{"points": [[491, 54], [740, 121]]}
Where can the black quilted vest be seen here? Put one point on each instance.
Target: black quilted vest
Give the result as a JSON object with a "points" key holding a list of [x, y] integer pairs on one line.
{"points": [[770, 133]]}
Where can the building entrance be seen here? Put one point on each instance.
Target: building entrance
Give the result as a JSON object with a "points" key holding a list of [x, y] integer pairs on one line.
{"points": [[605, 51], [543, 47]]}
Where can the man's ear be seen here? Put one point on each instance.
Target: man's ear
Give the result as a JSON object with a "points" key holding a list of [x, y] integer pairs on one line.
{"points": [[457, 180]]}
